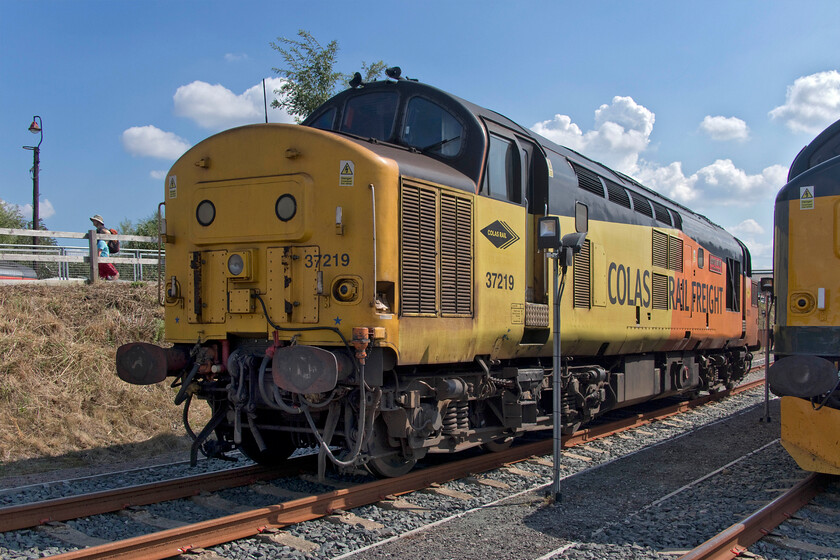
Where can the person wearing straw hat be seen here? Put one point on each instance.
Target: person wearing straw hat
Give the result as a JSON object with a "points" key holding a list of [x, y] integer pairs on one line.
{"points": [[106, 270]]}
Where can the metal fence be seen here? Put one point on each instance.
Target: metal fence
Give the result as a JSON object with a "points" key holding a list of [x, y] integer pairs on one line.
{"points": [[68, 262]]}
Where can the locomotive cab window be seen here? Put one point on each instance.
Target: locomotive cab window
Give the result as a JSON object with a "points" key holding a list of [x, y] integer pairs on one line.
{"points": [[431, 129], [325, 120], [371, 115], [501, 171]]}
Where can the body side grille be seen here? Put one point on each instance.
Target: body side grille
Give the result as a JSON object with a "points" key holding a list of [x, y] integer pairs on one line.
{"points": [[660, 249], [419, 253], [660, 291], [455, 255], [582, 277]]}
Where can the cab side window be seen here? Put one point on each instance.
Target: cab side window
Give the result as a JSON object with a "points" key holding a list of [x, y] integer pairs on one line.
{"points": [[500, 174]]}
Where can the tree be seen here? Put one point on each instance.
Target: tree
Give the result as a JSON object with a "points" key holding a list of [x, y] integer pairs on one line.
{"points": [[147, 226], [10, 217], [310, 73]]}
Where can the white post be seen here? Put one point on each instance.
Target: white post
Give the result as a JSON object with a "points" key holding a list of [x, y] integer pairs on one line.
{"points": [[94, 256]]}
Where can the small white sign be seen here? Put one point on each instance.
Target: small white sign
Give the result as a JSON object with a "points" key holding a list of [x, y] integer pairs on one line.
{"points": [[806, 198], [347, 171]]}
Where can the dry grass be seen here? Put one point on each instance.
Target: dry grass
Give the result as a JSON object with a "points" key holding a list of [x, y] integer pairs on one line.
{"points": [[60, 396]]}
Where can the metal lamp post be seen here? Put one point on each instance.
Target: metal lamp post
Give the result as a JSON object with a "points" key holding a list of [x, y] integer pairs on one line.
{"points": [[561, 251], [35, 128]]}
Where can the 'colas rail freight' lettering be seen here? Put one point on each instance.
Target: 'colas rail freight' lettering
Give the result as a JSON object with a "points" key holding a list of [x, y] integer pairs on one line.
{"points": [[632, 287], [706, 298], [628, 287]]}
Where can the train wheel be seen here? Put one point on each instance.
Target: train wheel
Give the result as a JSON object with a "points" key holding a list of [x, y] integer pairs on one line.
{"points": [[569, 429], [391, 466], [390, 461], [497, 445], [278, 447]]}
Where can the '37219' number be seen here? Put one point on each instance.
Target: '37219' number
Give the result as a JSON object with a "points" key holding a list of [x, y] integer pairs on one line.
{"points": [[326, 260], [499, 281]]}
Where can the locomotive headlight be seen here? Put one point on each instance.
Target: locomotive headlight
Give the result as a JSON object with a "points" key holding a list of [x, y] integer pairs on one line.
{"points": [[236, 265], [285, 207], [239, 265], [549, 233]]}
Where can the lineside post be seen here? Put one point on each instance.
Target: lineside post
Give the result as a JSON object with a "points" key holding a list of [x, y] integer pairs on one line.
{"points": [[562, 252], [767, 288], [558, 366]]}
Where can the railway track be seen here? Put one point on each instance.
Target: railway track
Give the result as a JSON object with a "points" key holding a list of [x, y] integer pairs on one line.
{"points": [[263, 520], [763, 524]]}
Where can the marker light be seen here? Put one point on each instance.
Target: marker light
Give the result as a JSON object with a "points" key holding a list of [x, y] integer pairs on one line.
{"points": [[205, 213], [286, 207]]}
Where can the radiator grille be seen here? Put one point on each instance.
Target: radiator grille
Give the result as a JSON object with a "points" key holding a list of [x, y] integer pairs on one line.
{"points": [[662, 213], [641, 204], [419, 254], [617, 194], [677, 219], [582, 277], [455, 255], [660, 249], [588, 180], [660, 291]]}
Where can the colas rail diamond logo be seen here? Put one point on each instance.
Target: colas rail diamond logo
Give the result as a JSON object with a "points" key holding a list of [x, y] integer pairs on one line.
{"points": [[500, 234]]}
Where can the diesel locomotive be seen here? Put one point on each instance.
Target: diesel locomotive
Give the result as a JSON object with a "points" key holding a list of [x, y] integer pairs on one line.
{"points": [[807, 328], [370, 282]]}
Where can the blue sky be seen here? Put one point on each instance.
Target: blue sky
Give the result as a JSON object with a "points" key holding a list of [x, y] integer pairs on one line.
{"points": [[707, 102]]}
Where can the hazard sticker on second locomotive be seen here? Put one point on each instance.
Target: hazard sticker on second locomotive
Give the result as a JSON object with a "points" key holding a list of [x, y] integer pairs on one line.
{"points": [[806, 198], [347, 170], [500, 234]]}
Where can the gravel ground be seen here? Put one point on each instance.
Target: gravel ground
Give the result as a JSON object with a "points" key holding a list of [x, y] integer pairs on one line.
{"points": [[616, 510], [632, 495]]}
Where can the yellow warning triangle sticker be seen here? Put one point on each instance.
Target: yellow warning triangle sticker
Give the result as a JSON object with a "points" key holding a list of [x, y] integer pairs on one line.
{"points": [[346, 170], [806, 194]]}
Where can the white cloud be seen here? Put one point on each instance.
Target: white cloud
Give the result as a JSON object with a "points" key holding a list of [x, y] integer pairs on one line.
{"points": [[717, 184], [215, 107], [747, 227], [151, 141], [45, 210], [158, 175], [231, 57], [725, 128], [811, 103], [753, 235], [622, 131]]}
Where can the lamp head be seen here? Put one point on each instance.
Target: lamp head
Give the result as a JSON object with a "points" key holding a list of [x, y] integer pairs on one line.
{"points": [[549, 233]]}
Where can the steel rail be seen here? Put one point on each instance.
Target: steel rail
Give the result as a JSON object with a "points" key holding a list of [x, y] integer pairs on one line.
{"points": [[209, 533], [72, 507], [736, 539]]}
